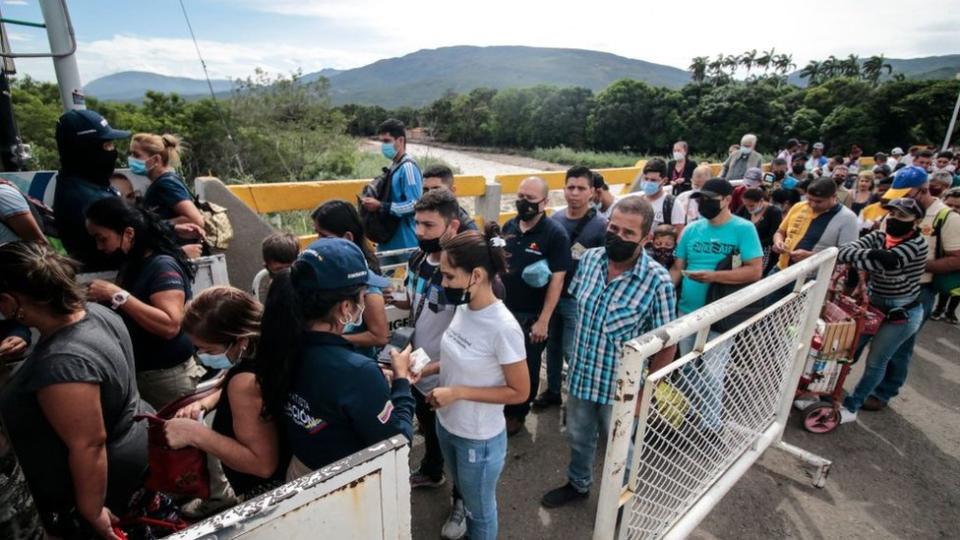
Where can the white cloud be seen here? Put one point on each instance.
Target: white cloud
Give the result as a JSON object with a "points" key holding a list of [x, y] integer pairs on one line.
{"points": [[177, 57]]}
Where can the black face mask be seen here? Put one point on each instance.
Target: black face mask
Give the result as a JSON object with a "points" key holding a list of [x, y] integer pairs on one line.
{"points": [[527, 210], [799, 169], [458, 295], [935, 191], [429, 246], [618, 249], [709, 208], [897, 228], [779, 175]]}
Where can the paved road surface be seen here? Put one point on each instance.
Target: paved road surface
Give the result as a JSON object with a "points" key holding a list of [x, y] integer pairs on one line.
{"points": [[896, 473]]}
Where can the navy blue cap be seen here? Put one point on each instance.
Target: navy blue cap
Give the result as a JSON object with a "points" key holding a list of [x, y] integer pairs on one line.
{"points": [[84, 124], [339, 264]]}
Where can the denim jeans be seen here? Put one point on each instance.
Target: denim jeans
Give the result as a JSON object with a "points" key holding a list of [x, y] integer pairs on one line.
{"points": [[534, 360], [890, 352], [563, 325], [586, 420], [475, 467], [704, 376]]}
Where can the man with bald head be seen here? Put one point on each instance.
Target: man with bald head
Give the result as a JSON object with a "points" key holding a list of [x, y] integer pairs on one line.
{"points": [[538, 259]]}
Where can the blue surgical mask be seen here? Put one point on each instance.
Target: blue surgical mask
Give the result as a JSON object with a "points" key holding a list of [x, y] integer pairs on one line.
{"points": [[745, 150], [215, 361], [537, 275], [137, 166], [649, 188], [388, 150]]}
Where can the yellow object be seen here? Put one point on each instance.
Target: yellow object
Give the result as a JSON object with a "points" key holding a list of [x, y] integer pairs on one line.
{"points": [[671, 404]]}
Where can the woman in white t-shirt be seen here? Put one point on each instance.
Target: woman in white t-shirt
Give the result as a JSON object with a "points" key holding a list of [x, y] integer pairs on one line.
{"points": [[482, 367]]}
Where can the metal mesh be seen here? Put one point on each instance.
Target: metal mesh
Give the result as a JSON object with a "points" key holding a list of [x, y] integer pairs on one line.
{"points": [[708, 411]]}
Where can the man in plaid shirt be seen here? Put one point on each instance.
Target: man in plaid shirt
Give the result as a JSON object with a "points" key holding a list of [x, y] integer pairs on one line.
{"points": [[621, 294]]}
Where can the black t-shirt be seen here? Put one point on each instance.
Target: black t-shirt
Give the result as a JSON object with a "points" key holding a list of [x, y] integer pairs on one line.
{"points": [[97, 350], [246, 485], [71, 199], [768, 224], [547, 240], [157, 273]]}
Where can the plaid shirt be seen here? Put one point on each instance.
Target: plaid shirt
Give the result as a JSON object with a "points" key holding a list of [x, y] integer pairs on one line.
{"points": [[609, 315]]}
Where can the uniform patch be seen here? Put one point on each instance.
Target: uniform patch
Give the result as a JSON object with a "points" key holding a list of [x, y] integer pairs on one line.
{"points": [[384, 415]]}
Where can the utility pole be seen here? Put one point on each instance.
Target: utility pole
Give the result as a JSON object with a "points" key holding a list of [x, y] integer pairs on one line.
{"points": [[63, 45]]}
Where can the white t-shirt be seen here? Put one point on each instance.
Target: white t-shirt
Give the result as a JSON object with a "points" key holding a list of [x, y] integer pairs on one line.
{"points": [[657, 205], [685, 209], [473, 351]]}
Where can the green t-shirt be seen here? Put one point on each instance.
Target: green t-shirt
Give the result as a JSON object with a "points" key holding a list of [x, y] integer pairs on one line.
{"points": [[703, 245]]}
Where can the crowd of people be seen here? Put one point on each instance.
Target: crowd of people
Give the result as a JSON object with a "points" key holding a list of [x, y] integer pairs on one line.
{"points": [[305, 371]]}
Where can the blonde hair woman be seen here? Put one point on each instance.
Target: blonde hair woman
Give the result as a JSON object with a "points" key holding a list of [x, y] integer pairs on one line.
{"points": [[156, 157]]}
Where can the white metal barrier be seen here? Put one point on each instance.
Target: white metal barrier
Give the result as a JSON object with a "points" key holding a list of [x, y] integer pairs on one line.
{"points": [[705, 419], [210, 271], [363, 496]]}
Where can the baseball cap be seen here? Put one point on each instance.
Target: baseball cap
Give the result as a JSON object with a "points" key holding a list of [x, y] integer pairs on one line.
{"points": [[714, 187], [337, 264], [818, 145], [906, 205], [906, 179], [896, 151], [86, 125], [754, 175]]}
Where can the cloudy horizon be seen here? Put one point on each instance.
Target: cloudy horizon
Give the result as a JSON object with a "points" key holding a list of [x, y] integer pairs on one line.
{"points": [[281, 36]]}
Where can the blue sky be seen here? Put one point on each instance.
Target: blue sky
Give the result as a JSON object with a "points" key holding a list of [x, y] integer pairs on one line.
{"points": [[280, 36]]}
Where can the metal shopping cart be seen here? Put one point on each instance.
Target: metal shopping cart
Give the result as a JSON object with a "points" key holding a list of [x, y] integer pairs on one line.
{"points": [[844, 319]]}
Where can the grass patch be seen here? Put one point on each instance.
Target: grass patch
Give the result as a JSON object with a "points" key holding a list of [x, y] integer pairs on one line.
{"points": [[588, 158]]}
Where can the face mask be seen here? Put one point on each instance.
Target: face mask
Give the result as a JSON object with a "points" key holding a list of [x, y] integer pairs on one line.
{"points": [[935, 191], [457, 295], [358, 318], [102, 165], [679, 155], [388, 150], [137, 166], [757, 209], [799, 169], [217, 361], [709, 208], [618, 249], [745, 150], [897, 228], [661, 254], [537, 275], [596, 205], [779, 175], [751, 183], [429, 246], [527, 210], [650, 188]]}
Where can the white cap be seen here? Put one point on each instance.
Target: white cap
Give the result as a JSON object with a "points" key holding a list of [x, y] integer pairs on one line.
{"points": [[896, 151], [818, 145]]}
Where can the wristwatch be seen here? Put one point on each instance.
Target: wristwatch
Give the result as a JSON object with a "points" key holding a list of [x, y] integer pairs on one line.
{"points": [[118, 299]]}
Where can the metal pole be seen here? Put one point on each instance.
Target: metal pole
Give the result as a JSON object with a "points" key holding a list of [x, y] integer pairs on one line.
{"points": [[953, 120], [60, 35]]}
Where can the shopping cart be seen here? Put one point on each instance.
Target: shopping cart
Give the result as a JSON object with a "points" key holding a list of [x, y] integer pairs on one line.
{"points": [[833, 351]]}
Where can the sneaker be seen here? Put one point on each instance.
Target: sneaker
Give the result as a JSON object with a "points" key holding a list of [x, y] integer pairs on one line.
{"points": [[563, 495], [202, 508], [936, 316], [546, 400], [514, 426], [421, 480], [847, 416], [455, 527], [874, 404], [951, 319]]}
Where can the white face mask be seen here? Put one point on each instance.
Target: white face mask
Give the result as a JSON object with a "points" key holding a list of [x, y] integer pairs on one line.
{"points": [[679, 155], [356, 321]]}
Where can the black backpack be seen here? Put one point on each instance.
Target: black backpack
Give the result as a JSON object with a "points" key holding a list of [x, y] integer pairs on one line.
{"points": [[381, 226]]}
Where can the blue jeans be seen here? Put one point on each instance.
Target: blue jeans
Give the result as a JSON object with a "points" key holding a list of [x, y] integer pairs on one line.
{"points": [[887, 372], [705, 378], [475, 467], [886, 368], [586, 420], [563, 325]]}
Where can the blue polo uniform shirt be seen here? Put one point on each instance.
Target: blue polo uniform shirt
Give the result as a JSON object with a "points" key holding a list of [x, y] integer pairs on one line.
{"points": [[340, 402]]}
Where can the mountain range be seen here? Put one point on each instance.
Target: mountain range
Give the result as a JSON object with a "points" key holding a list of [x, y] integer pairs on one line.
{"points": [[421, 77]]}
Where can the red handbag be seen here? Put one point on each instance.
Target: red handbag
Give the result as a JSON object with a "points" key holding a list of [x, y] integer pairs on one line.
{"points": [[175, 472]]}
